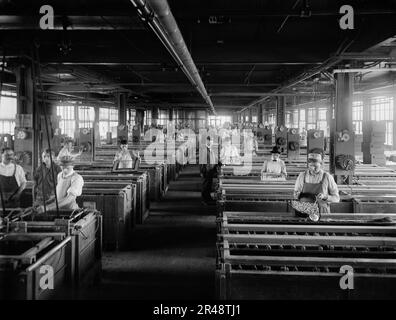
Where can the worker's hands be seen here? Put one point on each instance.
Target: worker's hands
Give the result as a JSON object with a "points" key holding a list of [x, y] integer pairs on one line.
{"points": [[14, 197], [39, 209], [321, 196]]}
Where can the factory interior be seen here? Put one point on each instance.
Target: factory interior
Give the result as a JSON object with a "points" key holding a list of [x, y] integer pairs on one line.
{"points": [[197, 150]]}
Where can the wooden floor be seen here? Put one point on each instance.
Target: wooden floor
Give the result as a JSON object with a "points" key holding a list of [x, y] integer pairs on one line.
{"points": [[172, 256]]}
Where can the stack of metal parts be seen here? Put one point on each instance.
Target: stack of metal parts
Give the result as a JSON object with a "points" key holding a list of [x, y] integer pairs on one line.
{"points": [[65, 246], [278, 256]]}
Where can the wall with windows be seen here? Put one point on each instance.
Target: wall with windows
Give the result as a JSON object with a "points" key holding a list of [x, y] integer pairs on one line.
{"points": [[218, 121], [74, 117], [108, 122], [8, 107], [67, 122], [381, 109], [86, 117], [357, 116]]}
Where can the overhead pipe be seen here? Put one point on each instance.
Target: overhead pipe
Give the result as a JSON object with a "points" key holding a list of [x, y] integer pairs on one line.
{"points": [[157, 14], [329, 63]]}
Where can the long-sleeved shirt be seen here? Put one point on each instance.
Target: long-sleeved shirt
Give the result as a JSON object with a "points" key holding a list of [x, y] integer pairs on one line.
{"points": [[277, 167], [126, 159], [329, 187]]}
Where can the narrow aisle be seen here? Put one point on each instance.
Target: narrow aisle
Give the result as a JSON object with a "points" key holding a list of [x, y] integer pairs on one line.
{"points": [[172, 255]]}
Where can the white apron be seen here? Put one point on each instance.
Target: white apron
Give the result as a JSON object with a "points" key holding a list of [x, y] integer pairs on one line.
{"points": [[63, 185]]}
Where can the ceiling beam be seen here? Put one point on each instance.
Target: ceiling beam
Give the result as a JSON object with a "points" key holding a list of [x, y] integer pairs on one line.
{"points": [[105, 22], [270, 94]]}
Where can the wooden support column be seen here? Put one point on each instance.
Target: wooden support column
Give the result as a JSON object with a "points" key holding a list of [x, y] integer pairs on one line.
{"points": [[343, 121], [394, 123], [260, 113], [280, 111], [154, 116], [140, 119], [235, 117], [27, 106], [122, 110]]}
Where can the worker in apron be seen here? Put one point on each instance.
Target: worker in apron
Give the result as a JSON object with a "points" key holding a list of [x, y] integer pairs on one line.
{"points": [[275, 166], [68, 188], [125, 159], [45, 178], [316, 185], [208, 171], [12, 179]]}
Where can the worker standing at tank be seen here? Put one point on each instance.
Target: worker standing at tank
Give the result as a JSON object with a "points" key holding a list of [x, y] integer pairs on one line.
{"points": [[275, 166], [316, 185], [124, 159], [69, 187], [12, 179]]}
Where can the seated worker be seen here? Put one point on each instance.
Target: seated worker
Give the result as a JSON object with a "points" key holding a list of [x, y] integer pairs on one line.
{"points": [[12, 179], [275, 166], [67, 151], [124, 159], [69, 187], [45, 178], [316, 184], [229, 153]]}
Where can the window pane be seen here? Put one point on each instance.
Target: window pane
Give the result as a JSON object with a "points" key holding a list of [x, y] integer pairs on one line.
{"points": [[86, 116], [8, 107]]}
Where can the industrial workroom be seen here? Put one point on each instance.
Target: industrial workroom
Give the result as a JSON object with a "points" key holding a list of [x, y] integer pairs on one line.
{"points": [[197, 150]]}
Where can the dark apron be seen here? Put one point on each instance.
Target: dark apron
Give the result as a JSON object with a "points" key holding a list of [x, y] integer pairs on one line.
{"points": [[45, 185], [9, 188], [311, 190]]}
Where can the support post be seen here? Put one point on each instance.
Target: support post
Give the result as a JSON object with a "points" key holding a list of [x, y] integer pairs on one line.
{"points": [[280, 111], [342, 151]]}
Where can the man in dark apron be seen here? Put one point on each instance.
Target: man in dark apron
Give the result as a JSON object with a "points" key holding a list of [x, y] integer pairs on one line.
{"points": [[12, 179], [316, 185]]}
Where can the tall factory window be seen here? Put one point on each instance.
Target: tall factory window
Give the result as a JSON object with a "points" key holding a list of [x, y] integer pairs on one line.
{"points": [[108, 122], [8, 107], [311, 118], [295, 118], [302, 125], [163, 117], [382, 109], [147, 117], [322, 120], [131, 117], [67, 123], [218, 121], [357, 116], [86, 117], [288, 120], [272, 121], [254, 119]]}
